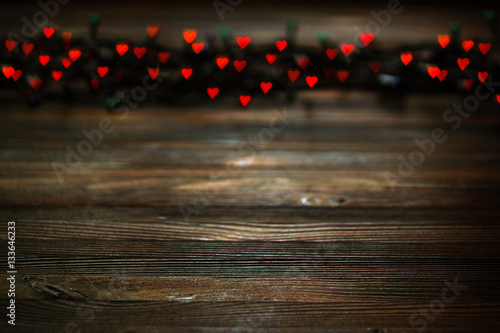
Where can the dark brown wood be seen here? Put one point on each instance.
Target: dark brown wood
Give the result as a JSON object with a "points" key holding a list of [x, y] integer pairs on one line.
{"points": [[307, 236]]}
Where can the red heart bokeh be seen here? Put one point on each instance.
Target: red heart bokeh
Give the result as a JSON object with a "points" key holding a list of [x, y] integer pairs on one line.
{"points": [[36, 84], [163, 56], [366, 38], [17, 74], [332, 53], [482, 76], [271, 58], [66, 62], [304, 62], [27, 48], [94, 83], [468, 84], [121, 49], [484, 48], [197, 47], [265, 86], [442, 74], [153, 30], [245, 100], [212, 92], [347, 49], [67, 36], [189, 35], [186, 72], [444, 40], [463, 63], [342, 75], [375, 66], [239, 65], [433, 71], [406, 57], [48, 32], [139, 51], [102, 70], [243, 41], [222, 62], [57, 75], [44, 59], [281, 44], [293, 75], [153, 72], [10, 45], [467, 45], [311, 80], [75, 54], [8, 71]]}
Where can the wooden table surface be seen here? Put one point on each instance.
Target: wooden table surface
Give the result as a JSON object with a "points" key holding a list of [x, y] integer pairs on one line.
{"points": [[305, 234], [289, 230]]}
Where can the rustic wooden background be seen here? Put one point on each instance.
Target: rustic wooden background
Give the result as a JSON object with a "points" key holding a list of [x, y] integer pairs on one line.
{"points": [[307, 236]]}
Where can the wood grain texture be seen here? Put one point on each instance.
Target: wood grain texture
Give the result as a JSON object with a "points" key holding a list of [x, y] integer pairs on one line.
{"points": [[306, 236]]}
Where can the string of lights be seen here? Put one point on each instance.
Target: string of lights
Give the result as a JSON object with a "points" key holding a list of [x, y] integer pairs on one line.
{"points": [[55, 64]]}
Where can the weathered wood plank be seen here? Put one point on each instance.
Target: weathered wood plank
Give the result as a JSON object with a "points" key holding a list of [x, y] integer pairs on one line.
{"points": [[392, 224], [349, 260], [265, 188], [300, 289], [153, 316]]}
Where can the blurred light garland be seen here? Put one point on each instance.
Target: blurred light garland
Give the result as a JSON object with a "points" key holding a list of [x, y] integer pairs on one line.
{"points": [[227, 65]]}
